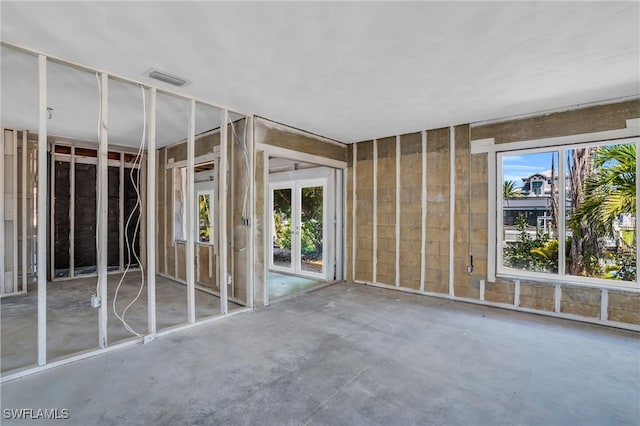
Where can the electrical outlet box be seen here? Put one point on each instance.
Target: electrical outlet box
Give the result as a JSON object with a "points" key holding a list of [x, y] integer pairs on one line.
{"points": [[96, 301], [229, 280], [469, 269]]}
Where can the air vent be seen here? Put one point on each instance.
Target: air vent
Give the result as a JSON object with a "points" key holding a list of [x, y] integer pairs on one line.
{"points": [[166, 77]]}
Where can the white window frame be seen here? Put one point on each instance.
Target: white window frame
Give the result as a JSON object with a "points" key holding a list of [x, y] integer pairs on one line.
{"points": [[561, 276], [213, 205]]}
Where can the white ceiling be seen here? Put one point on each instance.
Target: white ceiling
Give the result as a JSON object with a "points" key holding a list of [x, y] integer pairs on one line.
{"points": [[348, 71]]}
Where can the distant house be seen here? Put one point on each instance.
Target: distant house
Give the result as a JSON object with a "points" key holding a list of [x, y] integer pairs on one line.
{"points": [[534, 204], [538, 184]]}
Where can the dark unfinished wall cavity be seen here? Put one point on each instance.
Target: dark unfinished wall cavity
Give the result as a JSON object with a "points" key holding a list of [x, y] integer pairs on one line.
{"points": [[469, 226]]}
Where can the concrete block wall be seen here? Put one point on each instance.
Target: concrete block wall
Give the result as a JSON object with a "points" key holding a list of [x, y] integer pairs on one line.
{"points": [[438, 205], [469, 211], [386, 211], [410, 173], [364, 211]]}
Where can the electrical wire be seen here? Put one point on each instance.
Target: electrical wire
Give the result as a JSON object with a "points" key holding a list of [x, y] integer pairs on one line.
{"points": [[243, 145], [137, 163]]}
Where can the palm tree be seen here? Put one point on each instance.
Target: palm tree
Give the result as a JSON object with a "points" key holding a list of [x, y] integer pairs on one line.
{"points": [[610, 190], [510, 190]]}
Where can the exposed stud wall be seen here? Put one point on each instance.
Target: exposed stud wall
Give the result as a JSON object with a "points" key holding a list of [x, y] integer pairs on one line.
{"points": [[175, 251], [463, 285], [478, 217], [410, 209], [240, 235], [259, 229], [437, 248], [471, 206], [349, 222], [386, 212], [364, 212], [161, 206], [30, 207]]}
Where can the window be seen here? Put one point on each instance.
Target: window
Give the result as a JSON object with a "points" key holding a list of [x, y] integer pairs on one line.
{"points": [[205, 217], [583, 226], [204, 201]]}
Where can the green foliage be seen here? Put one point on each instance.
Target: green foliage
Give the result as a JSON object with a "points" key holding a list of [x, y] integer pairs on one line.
{"points": [[510, 189], [537, 254], [204, 216], [625, 260], [283, 230], [311, 219], [610, 191]]}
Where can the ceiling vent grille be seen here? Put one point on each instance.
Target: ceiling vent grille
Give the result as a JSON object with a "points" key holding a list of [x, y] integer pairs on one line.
{"points": [[166, 77]]}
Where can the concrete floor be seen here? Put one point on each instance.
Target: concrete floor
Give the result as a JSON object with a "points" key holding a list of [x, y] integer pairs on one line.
{"points": [[72, 324], [353, 355], [284, 285]]}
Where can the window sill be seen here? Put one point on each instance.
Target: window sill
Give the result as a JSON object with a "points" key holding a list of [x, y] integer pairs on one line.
{"points": [[570, 281]]}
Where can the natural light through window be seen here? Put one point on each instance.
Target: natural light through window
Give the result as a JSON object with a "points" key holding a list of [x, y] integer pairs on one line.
{"points": [[569, 211]]}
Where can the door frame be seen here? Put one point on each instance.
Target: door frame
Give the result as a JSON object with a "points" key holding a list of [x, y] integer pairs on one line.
{"points": [[296, 187]]}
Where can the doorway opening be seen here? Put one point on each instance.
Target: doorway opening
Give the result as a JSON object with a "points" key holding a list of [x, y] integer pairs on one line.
{"points": [[303, 232]]}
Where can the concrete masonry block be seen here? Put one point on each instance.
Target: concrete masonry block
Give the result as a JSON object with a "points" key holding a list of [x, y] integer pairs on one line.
{"points": [[624, 307], [538, 296], [581, 301]]}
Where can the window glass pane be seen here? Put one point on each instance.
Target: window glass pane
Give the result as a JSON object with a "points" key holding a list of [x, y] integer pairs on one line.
{"points": [[601, 212], [204, 218], [529, 212], [282, 227], [311, 224]]}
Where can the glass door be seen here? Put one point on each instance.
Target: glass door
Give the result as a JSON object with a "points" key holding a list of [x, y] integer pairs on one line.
{"points": [[311, 230], [282, 227], [298, 228]]}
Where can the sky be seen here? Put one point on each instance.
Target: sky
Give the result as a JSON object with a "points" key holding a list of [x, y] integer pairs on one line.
{"points": [[515, 167]]}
